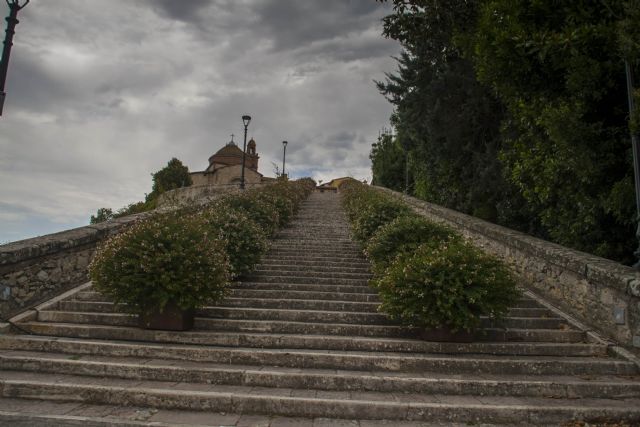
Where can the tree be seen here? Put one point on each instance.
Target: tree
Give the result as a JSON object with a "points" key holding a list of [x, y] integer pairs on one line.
{"points": [[446, 119], [103, 214], [174, 175], [388, 163], [557, 67]]}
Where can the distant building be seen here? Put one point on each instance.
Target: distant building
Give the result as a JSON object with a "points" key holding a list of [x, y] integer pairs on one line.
{"points": [[335, 184], [225, 167]]}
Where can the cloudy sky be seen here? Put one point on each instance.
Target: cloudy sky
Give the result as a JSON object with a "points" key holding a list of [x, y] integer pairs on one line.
{"points": [[100, 94]]}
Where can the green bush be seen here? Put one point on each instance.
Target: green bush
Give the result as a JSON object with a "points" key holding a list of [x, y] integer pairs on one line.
{"points": [[167, 258], [263, 212], [244, 240], [375, 214], [450, 284], [404, 234], [368, 209], [285, 205]]}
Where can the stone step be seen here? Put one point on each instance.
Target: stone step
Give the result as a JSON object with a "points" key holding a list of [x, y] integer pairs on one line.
{"points": [[294, 258], [267, 340], [36, 413], [247, 400], [275, 326], [445, 363], [313, 316], [315, 280], [345, 243], [300, 304], [304, 262], [275, 252], [331, 274], [355, 381], [305, 295], [305, 287], [318, 268]]}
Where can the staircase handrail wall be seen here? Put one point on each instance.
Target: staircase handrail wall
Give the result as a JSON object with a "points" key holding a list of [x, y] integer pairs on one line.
{"points": [[603, 294]]}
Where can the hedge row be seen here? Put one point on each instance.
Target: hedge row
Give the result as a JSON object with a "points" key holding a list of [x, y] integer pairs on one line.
{"points": [[426, 274], [188, 256]]}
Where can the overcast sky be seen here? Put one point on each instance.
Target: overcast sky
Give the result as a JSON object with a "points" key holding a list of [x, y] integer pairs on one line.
{"points": [[100, 94]]}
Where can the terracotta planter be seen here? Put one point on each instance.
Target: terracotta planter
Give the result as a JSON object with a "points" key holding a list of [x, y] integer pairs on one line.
{"points": [[444, 334], [172, 318]]}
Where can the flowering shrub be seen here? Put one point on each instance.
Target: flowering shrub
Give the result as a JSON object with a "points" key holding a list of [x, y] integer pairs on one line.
{"points": [[426, 274], [167, 258], [188, 256], [449, 284], [368, 209], [264, 213], [404, 234], [244, 240]]}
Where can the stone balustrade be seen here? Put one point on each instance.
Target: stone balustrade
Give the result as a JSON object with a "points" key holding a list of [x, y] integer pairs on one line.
{"points": [[601, 293]]}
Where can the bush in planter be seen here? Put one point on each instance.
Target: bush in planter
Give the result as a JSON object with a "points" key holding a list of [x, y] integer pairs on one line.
{"points": [[244, 240], [167, 259], [448, 285], [377, 212], [285, 206], [404, 234], [263, 212]]}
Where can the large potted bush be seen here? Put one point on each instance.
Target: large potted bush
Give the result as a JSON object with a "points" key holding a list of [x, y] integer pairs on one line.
{"points": [[162, 269], [444, 288]]}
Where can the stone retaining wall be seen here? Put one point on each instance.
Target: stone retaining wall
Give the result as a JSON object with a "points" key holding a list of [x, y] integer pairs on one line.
{"points": [[603, 294], [34, 270], [199, 193]]}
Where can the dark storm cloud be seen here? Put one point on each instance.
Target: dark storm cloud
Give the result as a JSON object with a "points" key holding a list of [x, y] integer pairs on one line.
{"points": [[181, 10], [102, 94], [291, 23]]}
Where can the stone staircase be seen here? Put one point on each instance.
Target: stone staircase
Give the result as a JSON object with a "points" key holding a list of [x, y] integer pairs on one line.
{"points": [[300, 343]]}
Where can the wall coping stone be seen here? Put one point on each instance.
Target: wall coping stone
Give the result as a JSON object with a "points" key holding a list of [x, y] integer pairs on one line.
{"points": [[36, 247]]}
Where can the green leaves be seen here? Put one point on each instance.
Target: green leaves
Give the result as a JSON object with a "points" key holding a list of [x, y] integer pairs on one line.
{"points": [[445, 284], [189, 256]]}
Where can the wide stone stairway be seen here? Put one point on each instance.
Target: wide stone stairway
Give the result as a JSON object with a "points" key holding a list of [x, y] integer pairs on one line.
{"points": [[300, 343]]}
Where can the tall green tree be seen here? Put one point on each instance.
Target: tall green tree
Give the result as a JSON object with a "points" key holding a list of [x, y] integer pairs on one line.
{"points": [[515, 111], [388, 163], [558, 67], [443, 115]]}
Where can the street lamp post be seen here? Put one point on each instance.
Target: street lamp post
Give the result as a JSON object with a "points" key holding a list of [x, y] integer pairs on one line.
{"points": [[12, 21], [284, 156], [245, 120], [636, 153]]}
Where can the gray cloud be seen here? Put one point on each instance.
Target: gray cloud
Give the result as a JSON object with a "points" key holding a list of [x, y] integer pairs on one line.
{"points": [[102, 94]]}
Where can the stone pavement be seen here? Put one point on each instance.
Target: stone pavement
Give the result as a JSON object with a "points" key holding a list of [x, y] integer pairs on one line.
{"points": [[300, 343]]}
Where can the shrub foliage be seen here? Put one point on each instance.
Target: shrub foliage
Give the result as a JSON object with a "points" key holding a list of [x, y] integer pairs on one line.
{"points": [[402, 235], [450, 284], [188, 256], [165, 258], [426, 274]]}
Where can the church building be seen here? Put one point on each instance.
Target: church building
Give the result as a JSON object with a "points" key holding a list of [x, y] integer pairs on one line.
{"points": [[225, 167]]}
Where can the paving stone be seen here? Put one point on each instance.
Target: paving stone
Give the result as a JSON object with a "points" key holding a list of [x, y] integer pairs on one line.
{"points": [[195, 418]]}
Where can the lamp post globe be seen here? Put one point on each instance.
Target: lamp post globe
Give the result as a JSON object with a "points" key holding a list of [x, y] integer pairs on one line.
{"points": [[246, 119]]}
